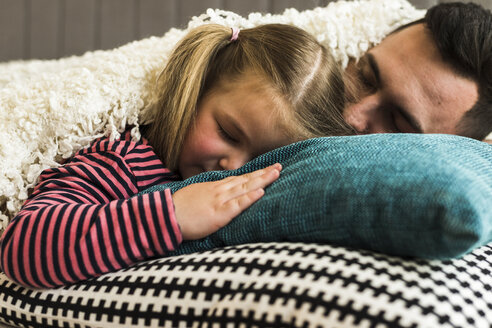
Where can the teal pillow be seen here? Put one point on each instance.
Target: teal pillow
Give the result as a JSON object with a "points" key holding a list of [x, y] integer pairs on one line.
{"points": [[427, 196]]}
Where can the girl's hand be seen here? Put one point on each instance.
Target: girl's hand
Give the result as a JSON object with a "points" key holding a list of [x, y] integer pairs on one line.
{"points": [[204, 208]]}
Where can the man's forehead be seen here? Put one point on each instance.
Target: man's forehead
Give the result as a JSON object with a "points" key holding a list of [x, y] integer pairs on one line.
{"points": [[412, 36]]}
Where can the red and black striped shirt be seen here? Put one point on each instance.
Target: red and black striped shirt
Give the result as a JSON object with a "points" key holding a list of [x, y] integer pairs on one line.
{"points": [[84, 218]]}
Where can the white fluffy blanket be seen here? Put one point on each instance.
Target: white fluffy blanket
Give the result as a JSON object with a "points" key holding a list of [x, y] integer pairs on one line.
{"points": [[51, 109]]}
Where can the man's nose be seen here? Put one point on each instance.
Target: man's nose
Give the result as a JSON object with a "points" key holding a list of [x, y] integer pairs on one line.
{"points": [[232, 161], [367, 115]]}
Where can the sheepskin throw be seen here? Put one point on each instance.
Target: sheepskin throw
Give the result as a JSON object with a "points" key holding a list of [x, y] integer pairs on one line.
{"points": [[50, 109]]}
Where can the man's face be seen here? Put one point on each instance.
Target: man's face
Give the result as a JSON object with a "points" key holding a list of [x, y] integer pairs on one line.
{"points": [[403, 85]]}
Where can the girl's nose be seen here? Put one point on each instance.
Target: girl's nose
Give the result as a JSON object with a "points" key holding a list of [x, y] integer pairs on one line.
{"points": [[367, 115], [232, 162]]}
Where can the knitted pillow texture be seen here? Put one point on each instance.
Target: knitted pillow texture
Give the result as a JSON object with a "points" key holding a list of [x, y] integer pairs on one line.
{"points": [[426, 196]]}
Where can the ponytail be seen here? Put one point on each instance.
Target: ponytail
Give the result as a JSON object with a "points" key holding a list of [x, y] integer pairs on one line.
{"points": [[180, 87]]}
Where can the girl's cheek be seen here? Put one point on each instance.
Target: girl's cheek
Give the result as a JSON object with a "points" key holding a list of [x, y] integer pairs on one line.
{"points": [[210, 145], [206, 140], [205, 145]]}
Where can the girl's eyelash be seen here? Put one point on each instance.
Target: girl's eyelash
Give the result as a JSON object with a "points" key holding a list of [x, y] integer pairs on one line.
{"points": [[225, 135]]}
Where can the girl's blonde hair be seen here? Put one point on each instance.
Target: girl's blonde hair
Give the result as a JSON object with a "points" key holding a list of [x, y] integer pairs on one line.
{"points": [[297, 67]]}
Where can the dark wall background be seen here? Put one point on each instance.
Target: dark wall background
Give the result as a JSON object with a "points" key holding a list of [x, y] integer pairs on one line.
{"points": [[46, 29]]}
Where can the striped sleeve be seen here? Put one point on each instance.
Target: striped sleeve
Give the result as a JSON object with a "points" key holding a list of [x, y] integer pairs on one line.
{"points": [[83, 218]]}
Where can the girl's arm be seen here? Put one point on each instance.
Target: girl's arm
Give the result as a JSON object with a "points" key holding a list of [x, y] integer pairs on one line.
{"points": [[82, 221]]}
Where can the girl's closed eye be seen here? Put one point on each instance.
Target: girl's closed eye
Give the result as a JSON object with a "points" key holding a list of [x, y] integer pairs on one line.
{"points": [[226, 135]]}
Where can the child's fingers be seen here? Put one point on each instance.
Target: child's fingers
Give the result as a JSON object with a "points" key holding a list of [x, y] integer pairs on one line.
{"points": [[216, 203], [252, 181], [231, 181], [237, 205]]}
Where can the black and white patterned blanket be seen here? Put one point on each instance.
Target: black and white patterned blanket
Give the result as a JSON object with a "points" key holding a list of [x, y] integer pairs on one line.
{"points": [[268, 285]]}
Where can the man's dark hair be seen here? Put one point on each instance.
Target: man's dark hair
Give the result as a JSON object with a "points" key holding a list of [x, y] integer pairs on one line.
{"points": [[463, 35]]}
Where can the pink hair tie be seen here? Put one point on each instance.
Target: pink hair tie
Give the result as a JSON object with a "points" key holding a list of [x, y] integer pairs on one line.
{"points": [[235, 33]]}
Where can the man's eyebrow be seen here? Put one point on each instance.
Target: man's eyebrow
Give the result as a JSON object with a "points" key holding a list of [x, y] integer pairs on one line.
{"points": [[374, 67]]}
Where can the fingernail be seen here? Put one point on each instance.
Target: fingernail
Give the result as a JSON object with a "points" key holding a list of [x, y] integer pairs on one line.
{"points": [[275, 173], [277, 166]]}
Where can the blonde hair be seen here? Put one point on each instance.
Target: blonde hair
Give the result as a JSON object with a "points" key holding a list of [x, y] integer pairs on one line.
{"points": [[297, 67]]}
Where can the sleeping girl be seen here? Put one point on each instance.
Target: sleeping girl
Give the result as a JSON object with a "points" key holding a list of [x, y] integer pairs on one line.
{"points": [[224, 97]]}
